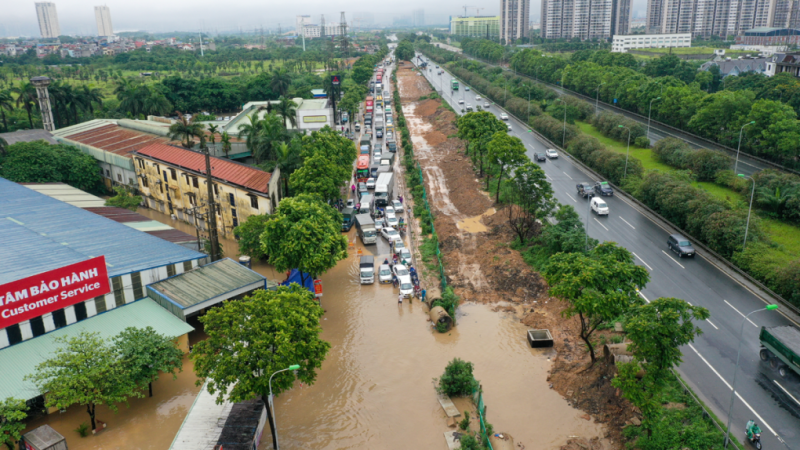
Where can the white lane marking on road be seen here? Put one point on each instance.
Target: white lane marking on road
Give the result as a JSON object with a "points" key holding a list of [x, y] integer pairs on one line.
{"points": [[645, 264], [642, 295], [601, 224], [571, 197], [673, 259], [740, 313], [715, 327], [627, 223], [787, 392], [565, 173], [737, 394], [548, 177]]}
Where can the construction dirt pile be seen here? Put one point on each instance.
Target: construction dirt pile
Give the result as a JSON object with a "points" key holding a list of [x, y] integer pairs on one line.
{"points": [[482, 267]]}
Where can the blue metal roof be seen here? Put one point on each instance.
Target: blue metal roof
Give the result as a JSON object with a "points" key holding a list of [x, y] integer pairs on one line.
{"points": [[40, 233]]}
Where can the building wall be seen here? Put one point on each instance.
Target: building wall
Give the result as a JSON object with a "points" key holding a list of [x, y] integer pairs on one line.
{"points": [[476, 26], [174, 190], [623, 43], [584, 19], [716, 17], [48, 20], [514, 19], [102, 16], [125, 289]]}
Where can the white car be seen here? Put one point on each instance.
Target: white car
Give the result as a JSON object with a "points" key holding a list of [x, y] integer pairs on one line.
{"points": [[379, 223], [390, 234], [398, 207], [389, 210], [401, 271], [404, 255], [370, 183], [551, 153], [376, 158], [392, 221], [477, 98], [406, 286], [509, 126], [399, 246], [504, 116], [350, 203], [384, 274], [599, 206], [461, 102], [486, 105], [227, 118]]}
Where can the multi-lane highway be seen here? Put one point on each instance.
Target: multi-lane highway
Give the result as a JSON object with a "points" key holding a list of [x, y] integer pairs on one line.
{"points": [[747, 165], [708, 364]]}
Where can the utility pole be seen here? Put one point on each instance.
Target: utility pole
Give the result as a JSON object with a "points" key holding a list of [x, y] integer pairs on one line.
{"points": [[212, 216], [201, 45]]}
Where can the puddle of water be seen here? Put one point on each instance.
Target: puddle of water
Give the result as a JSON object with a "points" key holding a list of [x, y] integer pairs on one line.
{"points": [[473, 224], [148, 424]]}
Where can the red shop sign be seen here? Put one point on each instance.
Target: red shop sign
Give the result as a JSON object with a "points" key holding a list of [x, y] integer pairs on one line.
{"points": [[46, 292], [318, 288]]}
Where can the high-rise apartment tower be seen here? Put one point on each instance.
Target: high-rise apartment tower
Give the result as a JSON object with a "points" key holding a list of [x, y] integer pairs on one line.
{"points": [[48, 20], [103, 17], [597, 19], [718, 17], [514, 19]]}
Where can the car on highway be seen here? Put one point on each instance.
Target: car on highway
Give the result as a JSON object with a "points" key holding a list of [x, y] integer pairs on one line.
{"points": [[461, 102], [389, 210], [437, 67], [384, 274], [399, 245], [477, 98], [551, 153], [406, 286], [362, 188], [370, 183], [599, 206], [379, 224], [469, 107], [466, 88], [401, 271], [376, 157], [350, 203], [540, 157], [603, 188], [680, 245], [398, 206], [485, 105], [404, 255], [392, 220], [503, 116], [389, 233], [585, 190], [509, 126]]}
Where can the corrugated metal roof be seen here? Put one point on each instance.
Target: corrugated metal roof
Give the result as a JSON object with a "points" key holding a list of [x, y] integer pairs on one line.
{"points": [[28, 136], [41, 233], [223, 169], [206, 282], [114, 139], [21, 359], [67, 194]]}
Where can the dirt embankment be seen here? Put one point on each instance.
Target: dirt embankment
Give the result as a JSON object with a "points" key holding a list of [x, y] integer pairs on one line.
{"points": [[481, 266]]}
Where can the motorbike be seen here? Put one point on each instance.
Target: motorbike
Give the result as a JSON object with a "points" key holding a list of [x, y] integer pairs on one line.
{"points": [[753, 434]]}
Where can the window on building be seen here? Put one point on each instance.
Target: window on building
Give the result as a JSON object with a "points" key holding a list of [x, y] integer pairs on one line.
{"points": [[194, 182], [141, 163], [187, 266], [192, 198], [165, 176], [173, 174], [170, 270], [216, 191], [100, 304], [253, 201], [119, 177], [14, 334], [136, 279], [119, 293], [37, 326], [108, 173], [161, 186], [144, 182], [130, 181], [59, 318], [235, 222], [232, 199], [158, 169], [80, 311]]}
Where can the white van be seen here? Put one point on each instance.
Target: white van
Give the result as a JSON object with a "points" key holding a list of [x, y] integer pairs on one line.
{"points": [[599, 206]]}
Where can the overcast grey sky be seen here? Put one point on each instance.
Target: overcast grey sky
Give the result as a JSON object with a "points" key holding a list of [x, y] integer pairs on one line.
{"points": [[18, 17]]}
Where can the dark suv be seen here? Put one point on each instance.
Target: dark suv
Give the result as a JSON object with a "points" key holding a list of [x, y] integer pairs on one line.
{"points": [[585, 190], [680, 245], [603, 188]]}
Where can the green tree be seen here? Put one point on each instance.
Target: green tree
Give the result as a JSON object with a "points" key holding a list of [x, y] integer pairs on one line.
{"points": [[478, 128], [85, 371], [304, 234], [657, 331], [250, 132], [505, 152], [532, 194], [287, 109], [457, 379], [40, 162], [12, 415], [144, 354], [597, 287], [404, 51], [317, 176], [26, 98], [124, 199], [225, 140], [6, 104], [280, 82], [250, 339], [288, 160], [212, 130], [186, 130], [775, 131], [248, 235]]}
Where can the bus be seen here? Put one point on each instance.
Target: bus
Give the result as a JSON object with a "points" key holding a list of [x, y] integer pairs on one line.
{"points": [[362, 168], [454, 84], [368, 104]]}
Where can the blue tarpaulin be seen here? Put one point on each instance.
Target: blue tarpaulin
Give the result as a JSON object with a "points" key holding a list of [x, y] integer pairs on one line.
{"points": [[294, 277]]}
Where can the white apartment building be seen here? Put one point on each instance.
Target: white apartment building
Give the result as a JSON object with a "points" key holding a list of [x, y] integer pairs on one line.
{"points": [[300, 22], [623, 43], [585, 19], [103, 17], [514, 19], [717, 17], [48, 20]]}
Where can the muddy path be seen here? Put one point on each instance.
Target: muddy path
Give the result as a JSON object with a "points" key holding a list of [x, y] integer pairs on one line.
{"points": [[474, 237]]}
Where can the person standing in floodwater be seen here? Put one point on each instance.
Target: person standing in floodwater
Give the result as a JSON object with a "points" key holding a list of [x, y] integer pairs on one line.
{"points": [[400, 299]]}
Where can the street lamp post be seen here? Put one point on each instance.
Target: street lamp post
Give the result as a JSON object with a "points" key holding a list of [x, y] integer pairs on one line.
{"points": [[649, 114], [752, 193], [588, 216], [741, 130], [628, 151], [597, 100], [736, 369], [274, 423], [564, 135]]}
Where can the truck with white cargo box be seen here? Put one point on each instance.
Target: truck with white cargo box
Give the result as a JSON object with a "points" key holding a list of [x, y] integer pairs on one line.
{"points": [[366, 269], [365, 227], [383, 189]]}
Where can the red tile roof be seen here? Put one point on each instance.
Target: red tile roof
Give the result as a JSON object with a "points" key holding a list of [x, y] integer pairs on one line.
{"points": [[249, 177], [115, 139]]}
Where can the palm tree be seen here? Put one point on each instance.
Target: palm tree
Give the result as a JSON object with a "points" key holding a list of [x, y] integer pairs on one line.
{"points": [[6, 103], [3, 146], [155, 103], [213, 130], [287, 109], [225, 139], [775, 200], [26, 98], [91, 96], [185, 130], [250, 132], [280, 82], [271, 132], [287, 158]]}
